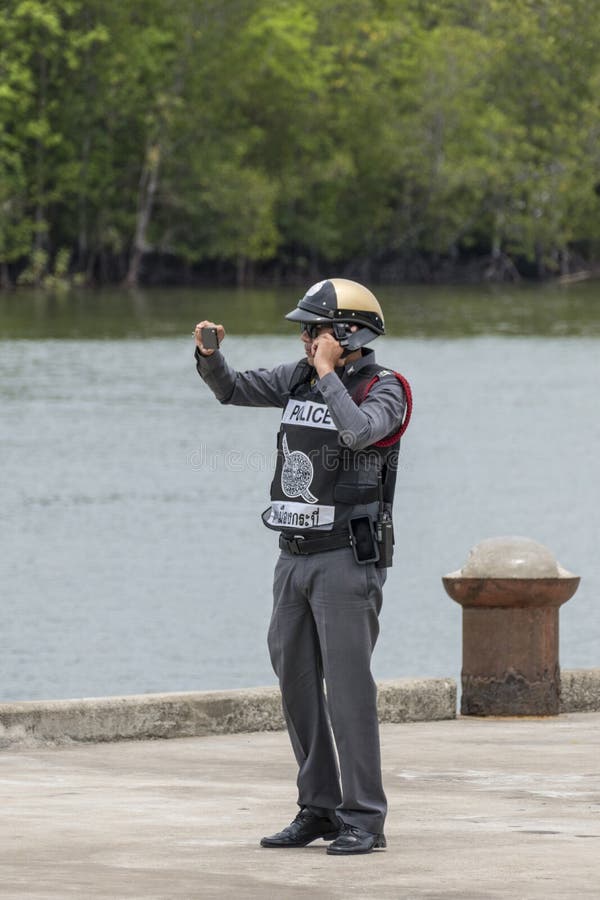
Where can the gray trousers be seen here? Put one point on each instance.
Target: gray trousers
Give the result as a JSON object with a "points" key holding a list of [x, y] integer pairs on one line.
{"points": [[323, 630]]}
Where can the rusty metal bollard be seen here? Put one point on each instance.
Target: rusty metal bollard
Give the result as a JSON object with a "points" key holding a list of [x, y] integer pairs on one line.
{"points": [[510, 590]]}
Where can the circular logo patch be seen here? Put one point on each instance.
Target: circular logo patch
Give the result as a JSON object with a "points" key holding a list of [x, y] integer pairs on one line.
{"points": [[297, 474]]}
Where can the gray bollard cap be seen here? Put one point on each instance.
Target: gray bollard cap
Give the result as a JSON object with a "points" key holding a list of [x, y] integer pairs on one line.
{"points": [[510, 572], [511, 557]]}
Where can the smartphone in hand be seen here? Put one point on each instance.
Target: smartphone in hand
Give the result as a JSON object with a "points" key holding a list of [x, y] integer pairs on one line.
{"points": [[209, 338]]}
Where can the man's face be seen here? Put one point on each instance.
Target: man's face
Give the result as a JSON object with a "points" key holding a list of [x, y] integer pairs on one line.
{"points": [[309, 334]]}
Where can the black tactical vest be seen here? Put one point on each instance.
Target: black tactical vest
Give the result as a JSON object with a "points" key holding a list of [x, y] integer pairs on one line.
{"points": [[319, 485]]}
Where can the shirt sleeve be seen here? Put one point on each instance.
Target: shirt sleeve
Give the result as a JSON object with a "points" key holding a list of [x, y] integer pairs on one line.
{"points": [[377, 417], [256, 387]]}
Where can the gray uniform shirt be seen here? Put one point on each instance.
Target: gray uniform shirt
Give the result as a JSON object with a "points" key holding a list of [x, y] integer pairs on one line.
{"points": [[378, 416]]}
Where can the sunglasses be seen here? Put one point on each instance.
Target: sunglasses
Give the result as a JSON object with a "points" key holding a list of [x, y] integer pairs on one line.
{"points": [[312, 328]]}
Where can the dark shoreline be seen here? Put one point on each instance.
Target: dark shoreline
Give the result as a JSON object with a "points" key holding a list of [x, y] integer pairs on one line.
{"points": [[168, 272]]}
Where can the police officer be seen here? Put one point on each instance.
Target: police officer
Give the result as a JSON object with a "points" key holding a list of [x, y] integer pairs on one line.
{"points": [[331, 502]]}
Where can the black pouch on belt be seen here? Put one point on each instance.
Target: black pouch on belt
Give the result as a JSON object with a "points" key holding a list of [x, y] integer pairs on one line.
{"points": [[364, 542]]}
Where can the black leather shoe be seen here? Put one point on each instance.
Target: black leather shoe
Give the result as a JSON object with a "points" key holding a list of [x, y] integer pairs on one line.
{"points": [[355, 840], [305, 828]]}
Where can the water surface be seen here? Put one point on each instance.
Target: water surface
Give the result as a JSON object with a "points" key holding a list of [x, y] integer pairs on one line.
{"points": [[132, 554]]}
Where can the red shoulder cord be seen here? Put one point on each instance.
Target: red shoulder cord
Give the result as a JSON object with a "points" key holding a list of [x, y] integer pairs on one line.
{"points": [[393, 438]]}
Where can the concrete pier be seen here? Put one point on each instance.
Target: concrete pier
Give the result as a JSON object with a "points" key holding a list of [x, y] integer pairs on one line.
{"points": [[480, 809], [198, 713], [30, 723]]}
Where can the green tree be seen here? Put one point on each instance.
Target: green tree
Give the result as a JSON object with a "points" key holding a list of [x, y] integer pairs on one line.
{"points": [[317, 135]]}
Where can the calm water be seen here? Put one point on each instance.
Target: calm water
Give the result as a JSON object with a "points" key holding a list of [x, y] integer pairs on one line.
{"points": [[132, 554]]}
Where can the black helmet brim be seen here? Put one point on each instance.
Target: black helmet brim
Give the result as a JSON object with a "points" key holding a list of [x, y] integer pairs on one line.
{"points": [[306, 315]]}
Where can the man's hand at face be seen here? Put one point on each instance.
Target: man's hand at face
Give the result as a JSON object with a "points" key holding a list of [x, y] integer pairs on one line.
{"points": [[327, 353]]}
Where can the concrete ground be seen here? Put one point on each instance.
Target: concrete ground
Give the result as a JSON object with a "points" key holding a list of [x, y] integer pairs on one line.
{"points": [[479, 808]]}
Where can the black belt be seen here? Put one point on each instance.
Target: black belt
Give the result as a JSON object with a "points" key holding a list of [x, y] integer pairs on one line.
{"points": [[301, 546]]}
